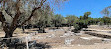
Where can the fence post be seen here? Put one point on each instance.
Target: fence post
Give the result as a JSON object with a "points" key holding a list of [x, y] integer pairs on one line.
{"points": [[27, 43]]}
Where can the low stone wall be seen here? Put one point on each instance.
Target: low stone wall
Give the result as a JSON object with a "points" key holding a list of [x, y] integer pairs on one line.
{"points": [[98, 35]]}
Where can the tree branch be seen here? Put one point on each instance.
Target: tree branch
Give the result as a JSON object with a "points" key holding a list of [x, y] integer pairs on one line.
{"points": [[8, 13], [33, 12], [2, 18], [14, 22]]}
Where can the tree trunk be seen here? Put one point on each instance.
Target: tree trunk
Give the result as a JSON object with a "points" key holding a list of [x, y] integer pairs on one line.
{"points": [[9, 31], [41, 30], [8, 34], [23, 29]]}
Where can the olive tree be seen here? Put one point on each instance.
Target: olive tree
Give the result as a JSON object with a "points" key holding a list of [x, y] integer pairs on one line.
{"points": [[106, 11], [71, 19], [15, 9], [58, 20], [44, 19], [83, 22]]}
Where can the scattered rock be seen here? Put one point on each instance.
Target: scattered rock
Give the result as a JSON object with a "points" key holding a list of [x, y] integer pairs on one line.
{"points": [[106, 40], [85, 38], [69, 33], [78, 34], [50, 36], [68, 41]]}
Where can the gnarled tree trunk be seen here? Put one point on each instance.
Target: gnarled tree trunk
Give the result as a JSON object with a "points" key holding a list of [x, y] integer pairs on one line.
{"points": [[9, 30], [8, 33]]}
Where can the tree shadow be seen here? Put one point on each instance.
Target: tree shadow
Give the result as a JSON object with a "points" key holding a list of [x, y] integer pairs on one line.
{"points": [[15, 44], [42, 45], [40, 31]]}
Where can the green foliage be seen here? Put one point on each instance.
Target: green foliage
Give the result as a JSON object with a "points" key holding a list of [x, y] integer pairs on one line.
{"points": [[83, 22], [71, 19], [64, 21], [100, 23], [106, 11], [78, 25], [58, 20], [106, 20], [45, 18], [86, 15], [77, 28]]}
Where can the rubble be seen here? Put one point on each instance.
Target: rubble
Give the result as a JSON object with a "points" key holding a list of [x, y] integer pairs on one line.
{"points": [[68, 41], [50, 36], [106, 40], [69, 33]]}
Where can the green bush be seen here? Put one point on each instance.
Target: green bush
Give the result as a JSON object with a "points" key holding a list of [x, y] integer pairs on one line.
{"points": [[78, 25]]}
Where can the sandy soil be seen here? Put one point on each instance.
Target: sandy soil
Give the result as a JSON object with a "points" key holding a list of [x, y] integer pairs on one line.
{"points": [[57, 39], [99, 46]]}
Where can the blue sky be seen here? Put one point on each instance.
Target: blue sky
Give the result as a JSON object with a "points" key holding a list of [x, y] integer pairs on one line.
{"points": [[79, 7]]}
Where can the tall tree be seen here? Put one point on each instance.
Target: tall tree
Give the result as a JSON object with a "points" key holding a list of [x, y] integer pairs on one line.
{"points": [[15, 9], [44, 19], [107, 11]]}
